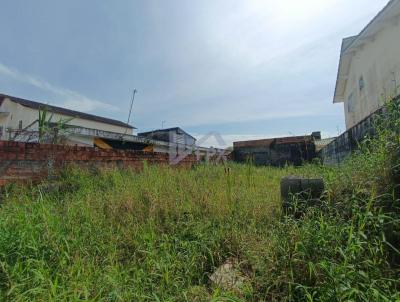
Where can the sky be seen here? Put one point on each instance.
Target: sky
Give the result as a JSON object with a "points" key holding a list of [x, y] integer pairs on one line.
{"points": [[242, 69]]}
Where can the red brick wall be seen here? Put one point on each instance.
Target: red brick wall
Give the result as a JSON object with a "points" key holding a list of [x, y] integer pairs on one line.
{"points": [[34, 162]]}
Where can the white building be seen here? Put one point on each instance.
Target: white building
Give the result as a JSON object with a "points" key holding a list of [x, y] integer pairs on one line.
{"points": [[19, 121], [369, 68], [173, 135]]}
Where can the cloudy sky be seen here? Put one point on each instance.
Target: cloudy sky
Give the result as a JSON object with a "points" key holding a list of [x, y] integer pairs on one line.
{"points": [[241, 68]]}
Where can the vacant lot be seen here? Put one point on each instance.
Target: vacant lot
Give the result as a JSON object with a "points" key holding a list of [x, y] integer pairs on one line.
{"points": [[126, 236], [158, 235]]}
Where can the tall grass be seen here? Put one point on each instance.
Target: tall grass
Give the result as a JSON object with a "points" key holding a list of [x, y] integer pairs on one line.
{"points": [[121, 236], [158, 235]]}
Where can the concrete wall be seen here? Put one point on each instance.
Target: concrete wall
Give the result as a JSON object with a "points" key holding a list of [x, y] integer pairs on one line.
{"points": [[80, 140], [342, 147], [28, 115], [376, 65]]}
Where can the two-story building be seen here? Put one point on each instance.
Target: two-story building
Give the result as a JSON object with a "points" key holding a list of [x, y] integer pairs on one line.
{"points": [[19, 120], [369, 67]]}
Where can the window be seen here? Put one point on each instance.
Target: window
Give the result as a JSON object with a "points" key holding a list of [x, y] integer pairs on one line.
{"points": [[350, 103], [20, 125], [361, 83]]}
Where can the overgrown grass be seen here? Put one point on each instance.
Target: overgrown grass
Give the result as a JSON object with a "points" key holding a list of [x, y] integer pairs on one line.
{"points": [[158, 235]]}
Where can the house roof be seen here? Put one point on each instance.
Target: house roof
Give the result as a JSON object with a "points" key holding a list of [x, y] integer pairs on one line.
{"points": [[64, 111], [391, 10], [347, 42], [270, 141], [166, 130], [390, 5]]}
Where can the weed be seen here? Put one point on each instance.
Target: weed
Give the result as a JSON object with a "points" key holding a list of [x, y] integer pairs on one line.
{"points": [[158, 235]]}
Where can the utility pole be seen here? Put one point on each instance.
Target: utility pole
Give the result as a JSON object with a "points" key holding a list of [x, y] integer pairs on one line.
{"points": [[130, 109], [130, 112]]}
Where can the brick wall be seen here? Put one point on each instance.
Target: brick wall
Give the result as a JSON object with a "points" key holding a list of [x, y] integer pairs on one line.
{"points": [[34, 162]]}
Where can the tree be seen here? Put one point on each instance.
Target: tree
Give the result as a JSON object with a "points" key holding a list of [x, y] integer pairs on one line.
{"points": [[49, 131]]}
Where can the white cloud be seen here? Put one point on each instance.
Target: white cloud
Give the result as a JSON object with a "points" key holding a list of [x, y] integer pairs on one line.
{"points": [[70, 99], [260, 60], [207, 140], [259, 31]]}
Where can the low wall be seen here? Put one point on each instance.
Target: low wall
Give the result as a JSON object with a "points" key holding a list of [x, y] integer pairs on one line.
{"points": [[34, 162], [339, 149]]}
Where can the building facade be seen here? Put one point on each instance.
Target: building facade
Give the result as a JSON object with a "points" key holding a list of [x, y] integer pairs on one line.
{"points": [[172, 135], [19, 120], [369, 67]]}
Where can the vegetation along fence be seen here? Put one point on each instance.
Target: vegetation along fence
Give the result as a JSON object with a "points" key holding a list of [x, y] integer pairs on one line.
{"points": [[335, 152], [33, 161]]}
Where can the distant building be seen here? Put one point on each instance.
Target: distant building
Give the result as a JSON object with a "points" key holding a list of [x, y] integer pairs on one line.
{"points": [[19, 120], [172, 135], [293, 150], [369, 68]]}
